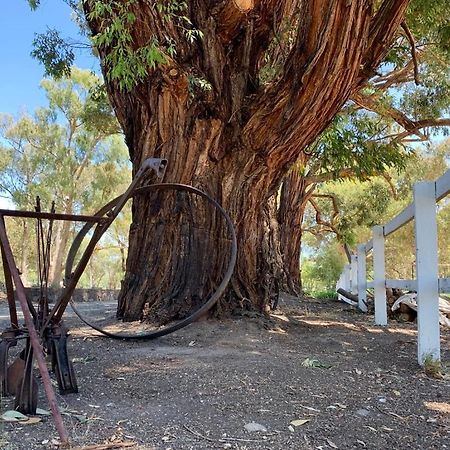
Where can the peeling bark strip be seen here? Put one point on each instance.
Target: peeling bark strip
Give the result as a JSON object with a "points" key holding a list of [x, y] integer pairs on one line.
{"points": [[237, 140]]}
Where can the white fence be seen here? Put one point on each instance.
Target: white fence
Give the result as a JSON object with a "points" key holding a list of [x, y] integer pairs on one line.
{"points": [[427, 283]]}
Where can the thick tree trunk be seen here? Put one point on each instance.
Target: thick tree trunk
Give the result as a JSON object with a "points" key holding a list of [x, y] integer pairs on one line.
{"points": [[294, 196], [237, 140], [170, 287]]}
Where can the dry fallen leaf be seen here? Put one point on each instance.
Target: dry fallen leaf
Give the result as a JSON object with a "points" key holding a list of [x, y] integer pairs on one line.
{"points": [[31, 421], [299, 422], [331, 444], [315, 363], [341, 405]]}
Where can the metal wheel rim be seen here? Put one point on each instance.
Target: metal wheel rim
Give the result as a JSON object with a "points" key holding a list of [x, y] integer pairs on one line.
{"points": [[195, 315]]}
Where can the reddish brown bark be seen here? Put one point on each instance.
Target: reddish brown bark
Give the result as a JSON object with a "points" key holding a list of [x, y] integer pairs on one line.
{"points": [[238, 140], [295, 193]]}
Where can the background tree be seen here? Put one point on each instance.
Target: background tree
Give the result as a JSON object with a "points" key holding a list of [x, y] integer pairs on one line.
{"points": [[69, 152], [209, 86], [321, 270], [358, 206], [352, 147]]}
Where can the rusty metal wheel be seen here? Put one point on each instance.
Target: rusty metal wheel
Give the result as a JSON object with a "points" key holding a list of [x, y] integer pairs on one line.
{"points": [[212, 298]]}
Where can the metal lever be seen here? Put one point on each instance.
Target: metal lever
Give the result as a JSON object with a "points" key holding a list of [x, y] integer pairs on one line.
{"points": [[159, 165]]}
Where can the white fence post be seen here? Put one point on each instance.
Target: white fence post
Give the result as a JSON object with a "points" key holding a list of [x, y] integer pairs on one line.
{"points": [[354, 274], [362, 278], [379, 277], [428, 332]]}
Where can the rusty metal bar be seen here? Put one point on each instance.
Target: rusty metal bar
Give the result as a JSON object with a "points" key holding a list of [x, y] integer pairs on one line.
{"points": [[33, 335], [49, 215], [9, 287]]}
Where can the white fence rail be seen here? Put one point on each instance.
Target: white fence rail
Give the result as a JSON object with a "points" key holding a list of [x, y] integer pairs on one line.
{"points": [[427, 284]]}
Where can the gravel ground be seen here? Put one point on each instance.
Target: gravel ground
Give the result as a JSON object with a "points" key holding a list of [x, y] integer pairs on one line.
{"points": [[318, 375]]}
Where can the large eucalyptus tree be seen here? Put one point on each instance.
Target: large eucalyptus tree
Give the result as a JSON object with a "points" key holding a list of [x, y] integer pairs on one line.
{"points": [[186, 82], [232, 93]]}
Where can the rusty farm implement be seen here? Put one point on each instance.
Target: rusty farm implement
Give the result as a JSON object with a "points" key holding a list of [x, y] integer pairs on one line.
{"points": [[43, 334]]}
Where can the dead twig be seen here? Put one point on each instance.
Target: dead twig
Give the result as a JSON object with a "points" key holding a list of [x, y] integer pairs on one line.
{"points": [[389, 413], [226, 439], [195, 433], [111, 445], [402, 419]]}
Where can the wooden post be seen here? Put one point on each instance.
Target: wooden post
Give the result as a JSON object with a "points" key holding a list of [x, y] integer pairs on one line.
{"points": [[428, 332], [379, 281], [362, 278]]}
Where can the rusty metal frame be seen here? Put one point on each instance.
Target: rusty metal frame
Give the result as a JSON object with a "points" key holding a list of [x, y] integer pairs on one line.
{"points": [[44, 329], [50, 332], [34, 338]]}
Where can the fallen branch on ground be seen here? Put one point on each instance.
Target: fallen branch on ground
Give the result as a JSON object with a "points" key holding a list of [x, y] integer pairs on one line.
{"points": [[111, 445]]}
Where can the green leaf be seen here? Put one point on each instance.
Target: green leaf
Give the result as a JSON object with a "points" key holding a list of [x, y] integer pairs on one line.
{"points": [[315, 363]]}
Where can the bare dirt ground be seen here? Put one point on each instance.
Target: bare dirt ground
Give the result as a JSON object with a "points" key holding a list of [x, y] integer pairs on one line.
{"points": [[200, 387]]}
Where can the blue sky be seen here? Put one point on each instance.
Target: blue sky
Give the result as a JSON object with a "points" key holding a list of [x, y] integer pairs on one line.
{"points": [[20, 74]]}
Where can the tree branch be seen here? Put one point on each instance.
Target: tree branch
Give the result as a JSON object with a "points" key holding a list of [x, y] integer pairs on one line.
{"points": [[333, 202], [370, 103], [411, 127], [388, 180], [329, 176], [317, 79], [413, 51], [420, 124], [325, 223], [328, 224], [398, 76]]}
